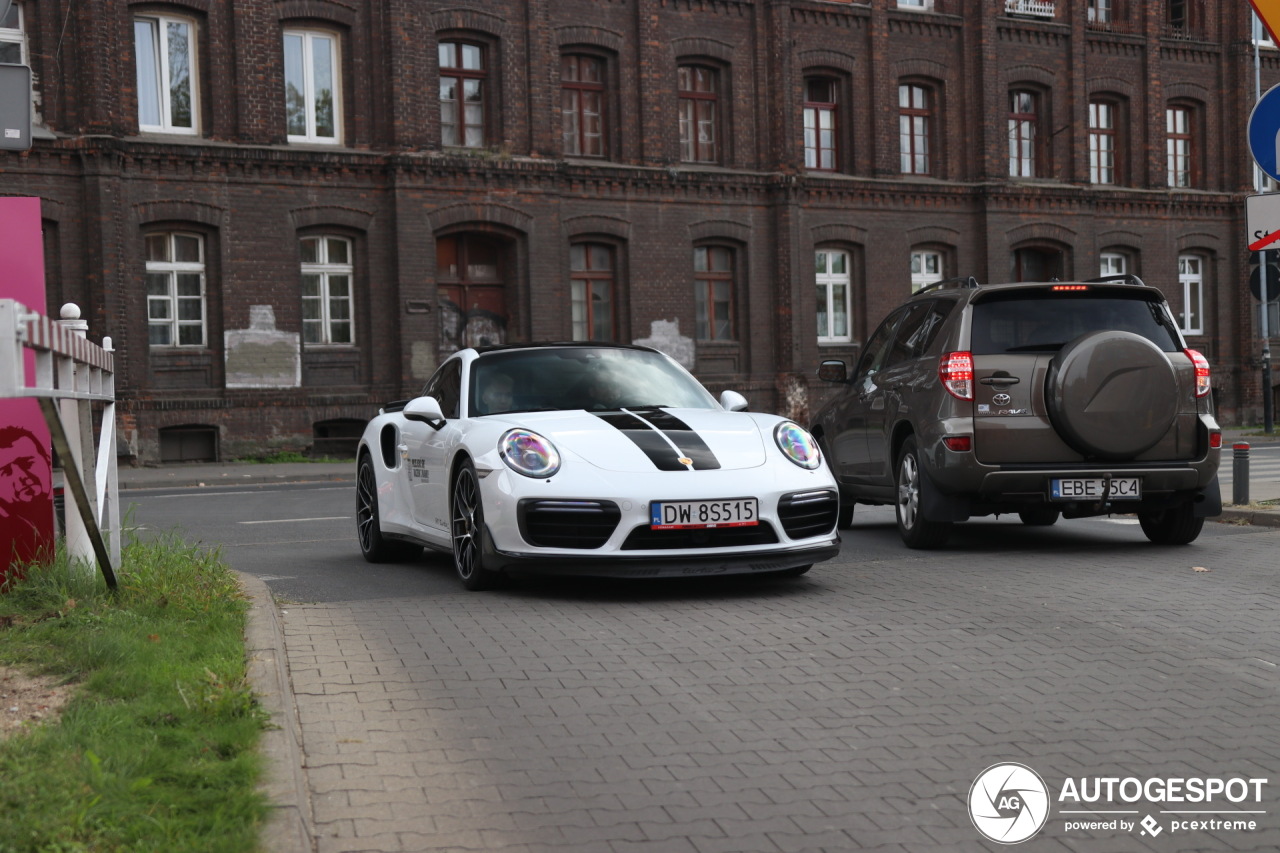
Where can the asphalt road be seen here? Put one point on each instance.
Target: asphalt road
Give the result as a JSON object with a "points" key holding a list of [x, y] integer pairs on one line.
{"points": [[852, 708]]}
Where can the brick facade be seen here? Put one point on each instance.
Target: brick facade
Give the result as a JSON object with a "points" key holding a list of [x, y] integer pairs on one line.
{"points": [[391, 188]]}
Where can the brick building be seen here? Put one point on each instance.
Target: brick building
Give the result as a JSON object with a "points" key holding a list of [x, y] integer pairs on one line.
{"points": [[285, 211]]}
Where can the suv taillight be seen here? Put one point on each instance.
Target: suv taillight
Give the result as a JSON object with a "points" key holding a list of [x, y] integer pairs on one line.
{"points": [[955, 369], [1202, 371]]}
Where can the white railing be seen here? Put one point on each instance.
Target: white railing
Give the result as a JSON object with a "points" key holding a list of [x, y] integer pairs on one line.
{"points": [[71, 375], [1039, 8]]}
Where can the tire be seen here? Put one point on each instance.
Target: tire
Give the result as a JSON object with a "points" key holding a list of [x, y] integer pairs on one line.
{"points": [[373, 545], [466, 520], [916, 530], [844, 518], [1174, 526], [1111, 394], [1040, 516]]}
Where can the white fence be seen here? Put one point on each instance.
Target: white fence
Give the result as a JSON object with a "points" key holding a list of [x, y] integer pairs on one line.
{"points": [[71, 375], [1039, 8]]}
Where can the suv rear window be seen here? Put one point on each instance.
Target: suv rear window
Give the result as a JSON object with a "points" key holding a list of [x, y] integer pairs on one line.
{"points": [[1043, 320]]}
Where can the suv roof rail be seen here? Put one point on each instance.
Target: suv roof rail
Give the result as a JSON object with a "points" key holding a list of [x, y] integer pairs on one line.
{"points": [[1126, 277], [965, 281]]}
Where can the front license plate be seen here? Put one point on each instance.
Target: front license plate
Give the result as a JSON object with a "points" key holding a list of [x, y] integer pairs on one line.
{"points": [[1092, 489], [675, 515]]}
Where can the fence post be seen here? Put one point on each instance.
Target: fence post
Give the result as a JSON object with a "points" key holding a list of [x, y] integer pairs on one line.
{"points": [[1240, 473], [78, 425]]}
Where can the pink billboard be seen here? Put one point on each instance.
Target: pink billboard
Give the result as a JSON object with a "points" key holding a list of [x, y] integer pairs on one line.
{"points": [[26, 466]]}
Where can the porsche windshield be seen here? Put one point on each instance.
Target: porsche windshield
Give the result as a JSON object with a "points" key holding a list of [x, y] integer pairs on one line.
{"points": [[592, 378]]}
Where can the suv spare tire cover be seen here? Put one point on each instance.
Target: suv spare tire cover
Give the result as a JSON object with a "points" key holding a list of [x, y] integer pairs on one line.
{"points": [[1111, 394]]}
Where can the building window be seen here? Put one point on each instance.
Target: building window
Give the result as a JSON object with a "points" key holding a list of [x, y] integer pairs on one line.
{"points": [[326, 291], [13, 42], [175, 290], [1024, 118], [698, 88], [1261, 35], [582, 105], [820, 124], [1100, 12], [1262, 182], [591, 291], [164, 51], [1102, 142], [713, 293], [834, 296], [926, 268], [913, 129], [462, 94], [915, 4], [1191, 278], [1112, 263], [1035, 264], [1179, 16], [312, 97], [1178, 149]]}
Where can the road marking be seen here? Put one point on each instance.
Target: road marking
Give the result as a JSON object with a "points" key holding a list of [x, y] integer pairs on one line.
{"points": [[291, 520]]}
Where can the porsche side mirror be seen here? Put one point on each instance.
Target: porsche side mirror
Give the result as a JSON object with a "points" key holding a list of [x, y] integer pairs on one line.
{"points": [[833, 370], [733, 401], [424, 410]]}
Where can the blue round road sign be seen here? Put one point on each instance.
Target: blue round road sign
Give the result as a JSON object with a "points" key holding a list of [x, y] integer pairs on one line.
{"points": [[1264, 132]]}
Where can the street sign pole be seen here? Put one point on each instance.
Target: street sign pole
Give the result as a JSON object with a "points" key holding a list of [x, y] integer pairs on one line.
{"points": [[1264, 305]]}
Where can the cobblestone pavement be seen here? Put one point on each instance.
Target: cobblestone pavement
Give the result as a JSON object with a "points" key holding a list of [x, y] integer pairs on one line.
{"points": [[848, 710]]}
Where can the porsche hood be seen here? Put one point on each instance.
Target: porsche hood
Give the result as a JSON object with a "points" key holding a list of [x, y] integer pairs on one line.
{"points": [[645, 440]]}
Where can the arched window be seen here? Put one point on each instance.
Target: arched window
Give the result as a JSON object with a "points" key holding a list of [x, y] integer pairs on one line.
{"points": [[582, 100], [698, 88], [833, 276], [591, 284], [1024, 134], [821, 124], [175, 290], [915, 117], [1103, 148], [1191, 273], [1180, 151], [313, 97], [327, 309], [463, 96], [713, 286]]}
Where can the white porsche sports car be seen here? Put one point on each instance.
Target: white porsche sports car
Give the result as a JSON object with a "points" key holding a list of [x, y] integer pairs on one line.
{"points": [[589, 459]]}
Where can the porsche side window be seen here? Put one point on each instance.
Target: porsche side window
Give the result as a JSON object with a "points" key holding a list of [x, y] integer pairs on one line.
{"points": [[447, 388]]}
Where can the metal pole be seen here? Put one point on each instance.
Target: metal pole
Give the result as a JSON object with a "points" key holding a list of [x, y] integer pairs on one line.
{"points": [[1240, 473], [1268, 420]]}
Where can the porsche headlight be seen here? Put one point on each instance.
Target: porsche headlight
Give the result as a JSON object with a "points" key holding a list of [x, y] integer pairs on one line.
{"points": [[797, 445], [529, 454]]}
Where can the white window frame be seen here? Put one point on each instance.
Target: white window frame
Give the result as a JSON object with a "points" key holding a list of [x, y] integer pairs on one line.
{"points": [[309, 39], [325, 271], [172, 299], [921, 274], [157, 67], [916, 5], [1262, 182], [17, 36], [829, 283], [1102, 146], [1100, 11], [1179, 150], [1191, 280], [1261, 36], [1113, 263]]}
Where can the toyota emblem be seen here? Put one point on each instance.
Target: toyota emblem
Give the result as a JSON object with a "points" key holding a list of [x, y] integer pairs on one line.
{"points": [[1002, 399]]}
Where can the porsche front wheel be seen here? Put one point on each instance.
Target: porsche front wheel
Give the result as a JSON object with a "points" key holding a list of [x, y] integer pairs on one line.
{"points": [[467, 523]]}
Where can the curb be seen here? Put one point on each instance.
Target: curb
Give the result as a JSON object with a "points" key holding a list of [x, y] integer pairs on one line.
{"points": [[1261, 518], [284, 781], [127, 483]]}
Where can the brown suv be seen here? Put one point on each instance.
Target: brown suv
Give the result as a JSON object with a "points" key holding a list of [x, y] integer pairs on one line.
{"points": [[1046, 399]]}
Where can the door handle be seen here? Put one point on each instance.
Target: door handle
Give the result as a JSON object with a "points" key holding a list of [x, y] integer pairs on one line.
{"points": [[1000, 380]]}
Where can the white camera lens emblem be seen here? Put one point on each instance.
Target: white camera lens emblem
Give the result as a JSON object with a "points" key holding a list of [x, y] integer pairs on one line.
{"points": [[1008, 803]]}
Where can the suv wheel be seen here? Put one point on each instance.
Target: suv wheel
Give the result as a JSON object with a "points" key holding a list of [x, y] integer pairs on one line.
{"points": [[1174, 526], [916, 530]]}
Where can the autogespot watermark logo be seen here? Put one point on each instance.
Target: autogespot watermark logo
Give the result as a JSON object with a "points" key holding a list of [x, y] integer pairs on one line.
{"points": [[1008, 803]]}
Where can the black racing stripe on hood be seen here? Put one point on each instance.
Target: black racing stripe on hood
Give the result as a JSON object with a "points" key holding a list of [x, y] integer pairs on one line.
{"points": [[683, 437], [661, 454]]}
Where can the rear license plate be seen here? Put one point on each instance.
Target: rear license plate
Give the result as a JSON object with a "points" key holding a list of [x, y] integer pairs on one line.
{"points": [[1093, 488], [675, 515]]}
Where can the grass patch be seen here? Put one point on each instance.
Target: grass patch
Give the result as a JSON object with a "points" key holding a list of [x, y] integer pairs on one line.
{"points": [[157, 749], [291, 456]]}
